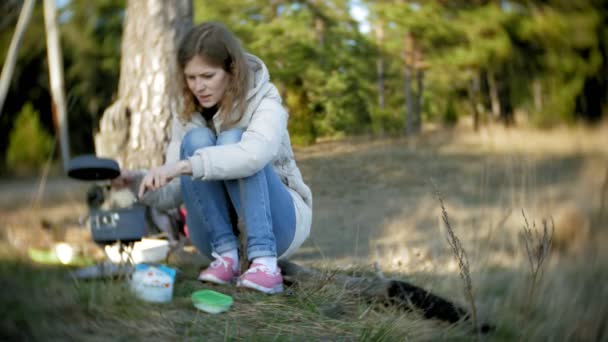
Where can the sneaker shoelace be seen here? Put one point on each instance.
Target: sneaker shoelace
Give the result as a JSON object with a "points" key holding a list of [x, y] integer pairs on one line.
{"points": [[261, 268], [219, 260]]}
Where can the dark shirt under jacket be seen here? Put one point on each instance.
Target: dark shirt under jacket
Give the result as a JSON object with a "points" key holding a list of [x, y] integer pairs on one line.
{"points": [[208, 113]]}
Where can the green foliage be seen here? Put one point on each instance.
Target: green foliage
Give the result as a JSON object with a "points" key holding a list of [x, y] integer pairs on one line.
{"points": [[90, 34], [30, 145], [91, 39], [567, 51], [30, 79], [450, 117], [315, 55], [298, 122], [386, 121], [326, 69]]}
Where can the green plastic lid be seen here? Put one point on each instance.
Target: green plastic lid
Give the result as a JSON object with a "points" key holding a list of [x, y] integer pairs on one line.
{"points": [[211, 301]]}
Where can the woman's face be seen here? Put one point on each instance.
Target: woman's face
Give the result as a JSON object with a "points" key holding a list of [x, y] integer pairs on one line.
{"points": [[208, 83]]}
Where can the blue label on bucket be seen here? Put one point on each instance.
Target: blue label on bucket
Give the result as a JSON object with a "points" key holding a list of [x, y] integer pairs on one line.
{"points": [[168, 270], [165, 269], [153, 283]]}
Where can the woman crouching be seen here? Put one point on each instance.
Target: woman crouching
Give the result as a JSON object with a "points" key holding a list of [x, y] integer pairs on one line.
{"points": [[230, 152]]}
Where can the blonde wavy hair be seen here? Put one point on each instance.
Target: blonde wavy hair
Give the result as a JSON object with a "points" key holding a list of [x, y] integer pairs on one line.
{"points": [[216, 45]]}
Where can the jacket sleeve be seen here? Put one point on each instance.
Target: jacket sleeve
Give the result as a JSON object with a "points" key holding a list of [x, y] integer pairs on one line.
{"points": [[165, 198], [169, 196], [259, 145], [177, 134]]}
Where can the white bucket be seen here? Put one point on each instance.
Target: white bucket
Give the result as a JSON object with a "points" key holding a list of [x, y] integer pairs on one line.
{"points": [[150, 250], [153, 283], [146, 250]]}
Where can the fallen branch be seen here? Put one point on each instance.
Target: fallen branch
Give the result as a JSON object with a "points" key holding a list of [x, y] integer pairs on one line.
{"points": [[396, 293]]}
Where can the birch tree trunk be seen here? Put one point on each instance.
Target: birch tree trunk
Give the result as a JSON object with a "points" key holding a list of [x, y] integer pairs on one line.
{"points": [[134, 130], [55, 60], [11, 57]]}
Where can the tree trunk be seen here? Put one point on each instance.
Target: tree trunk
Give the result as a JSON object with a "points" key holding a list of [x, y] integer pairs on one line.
{"points": [[537, 92], [380, 82], [55, 61], [504, 95], [494, 99], [134, 130], [380, 85], [473, 95], [413, 61], [417, 119], [320, 30], [589, 101], [379, 30], [380, 65], [11, 56], [409, 103]]}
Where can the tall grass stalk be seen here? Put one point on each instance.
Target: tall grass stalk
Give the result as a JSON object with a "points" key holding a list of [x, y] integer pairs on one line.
{"points": [[463, 263], [538, 247]]}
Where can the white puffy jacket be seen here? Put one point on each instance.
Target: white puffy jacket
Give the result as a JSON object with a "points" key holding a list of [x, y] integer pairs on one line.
{"points": [[265, 140]]}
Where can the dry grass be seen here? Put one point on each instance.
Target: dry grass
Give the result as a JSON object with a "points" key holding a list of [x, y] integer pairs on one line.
{"points": [[462, 259], [40, 303], [538, 247], [372, 205]]}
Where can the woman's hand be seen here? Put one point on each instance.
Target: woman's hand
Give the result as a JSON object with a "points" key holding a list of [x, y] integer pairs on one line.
{"points": [[160, 176]]}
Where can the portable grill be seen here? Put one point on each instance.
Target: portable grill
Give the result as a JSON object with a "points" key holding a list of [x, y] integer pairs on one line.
{"points": [[108, 225]]}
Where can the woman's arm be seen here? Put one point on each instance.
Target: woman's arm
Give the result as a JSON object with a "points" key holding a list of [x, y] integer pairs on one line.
{"points": [[163, 197], [160, 176]]}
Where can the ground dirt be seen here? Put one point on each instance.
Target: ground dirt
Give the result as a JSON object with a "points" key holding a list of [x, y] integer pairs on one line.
{"points": [[377, 202], [377, 199]]}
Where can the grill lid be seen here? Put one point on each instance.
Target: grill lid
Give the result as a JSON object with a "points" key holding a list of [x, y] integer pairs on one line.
{"points": [[90, 167]]}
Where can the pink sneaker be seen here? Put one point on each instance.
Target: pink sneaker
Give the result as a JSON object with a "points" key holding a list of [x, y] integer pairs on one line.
{"points": [[259, 277], [220, 271]]}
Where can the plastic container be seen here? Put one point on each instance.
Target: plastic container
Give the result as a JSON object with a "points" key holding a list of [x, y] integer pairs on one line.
{"points": [[211, 301], [146, 250], [150, 250], [153, 283]]}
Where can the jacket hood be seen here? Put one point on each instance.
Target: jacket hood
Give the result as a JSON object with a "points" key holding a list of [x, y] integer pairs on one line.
{"points": [[259, 75], [259, 87]]}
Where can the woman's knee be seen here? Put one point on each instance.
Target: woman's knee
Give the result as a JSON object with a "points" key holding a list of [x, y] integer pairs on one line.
{"points": [[196, 138], [231, 136]]}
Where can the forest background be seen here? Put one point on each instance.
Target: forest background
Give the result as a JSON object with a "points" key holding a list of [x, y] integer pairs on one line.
{"points": [[401, 111], [380, 68]]}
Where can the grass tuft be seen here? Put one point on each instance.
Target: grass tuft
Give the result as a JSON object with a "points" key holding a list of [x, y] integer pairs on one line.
{"points": [[538, 248], [462, 259]]}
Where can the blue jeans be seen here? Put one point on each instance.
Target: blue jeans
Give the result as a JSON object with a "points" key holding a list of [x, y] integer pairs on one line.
{"points": [[261, 201]]}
